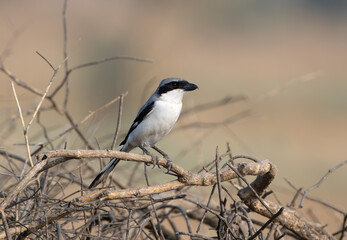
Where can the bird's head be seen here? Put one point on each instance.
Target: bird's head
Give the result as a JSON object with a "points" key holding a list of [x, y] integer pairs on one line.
{"points": [[173, 89]]}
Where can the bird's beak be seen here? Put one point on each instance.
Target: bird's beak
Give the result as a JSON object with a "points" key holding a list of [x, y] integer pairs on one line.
{"points": [[190, 87]]}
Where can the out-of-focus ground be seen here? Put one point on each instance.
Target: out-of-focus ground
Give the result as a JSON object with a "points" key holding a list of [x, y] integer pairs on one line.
{"points": [[288, 57]]}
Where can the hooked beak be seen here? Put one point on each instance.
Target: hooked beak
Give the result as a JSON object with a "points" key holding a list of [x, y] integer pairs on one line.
{"points": [[190, 87]]}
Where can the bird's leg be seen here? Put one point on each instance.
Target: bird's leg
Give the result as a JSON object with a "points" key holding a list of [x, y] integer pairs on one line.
{"points": [[154, 157], [169, 162]]}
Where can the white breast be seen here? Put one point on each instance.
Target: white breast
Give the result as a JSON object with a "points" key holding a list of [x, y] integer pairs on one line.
{"points": [[158, 124]]}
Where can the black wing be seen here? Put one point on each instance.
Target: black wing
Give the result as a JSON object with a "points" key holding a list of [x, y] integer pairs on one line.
{"points": [[139, 118]]}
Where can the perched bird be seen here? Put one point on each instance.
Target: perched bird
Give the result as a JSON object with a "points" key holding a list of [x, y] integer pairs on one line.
{"points": [[155, 119]]}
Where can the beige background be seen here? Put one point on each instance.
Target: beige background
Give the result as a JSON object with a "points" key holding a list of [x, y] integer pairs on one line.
{"points": [[289, 58]]}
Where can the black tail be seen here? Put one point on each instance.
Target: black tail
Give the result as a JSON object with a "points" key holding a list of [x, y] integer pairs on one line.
{"points": [[104, 172]]}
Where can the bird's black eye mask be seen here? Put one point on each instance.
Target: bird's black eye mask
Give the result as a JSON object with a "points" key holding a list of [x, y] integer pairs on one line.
{"points": [[172, 86]]}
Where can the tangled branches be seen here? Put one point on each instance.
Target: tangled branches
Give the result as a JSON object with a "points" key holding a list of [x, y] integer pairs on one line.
{"points": [[136, 212]]}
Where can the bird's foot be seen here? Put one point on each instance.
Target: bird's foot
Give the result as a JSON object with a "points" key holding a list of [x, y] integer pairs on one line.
{"points": [[155, 160], [172, 174], [169, 163]]}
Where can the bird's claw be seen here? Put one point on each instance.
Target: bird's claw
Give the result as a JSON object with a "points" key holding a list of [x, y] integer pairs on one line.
{"points": [[155, 161], [169, 164]]}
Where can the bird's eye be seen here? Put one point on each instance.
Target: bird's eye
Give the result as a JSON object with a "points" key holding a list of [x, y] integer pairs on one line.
{"points": [[174, 84]]}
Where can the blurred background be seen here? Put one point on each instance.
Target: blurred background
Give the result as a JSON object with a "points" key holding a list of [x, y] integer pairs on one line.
{"points": [[288, 57]]}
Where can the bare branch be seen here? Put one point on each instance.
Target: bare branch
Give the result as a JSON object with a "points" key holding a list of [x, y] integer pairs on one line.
{"points": [[232, 119], [331, 170], [316, 200], [4, 221], [267, 223], [88, 64], [12, 155], [120, 109], [85, 118], [289, 218], [22, 184], [20, 82], [259, 189], [212, 105]]}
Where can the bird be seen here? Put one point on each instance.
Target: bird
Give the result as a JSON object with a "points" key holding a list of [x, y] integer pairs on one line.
{"points": [[154, 120]]}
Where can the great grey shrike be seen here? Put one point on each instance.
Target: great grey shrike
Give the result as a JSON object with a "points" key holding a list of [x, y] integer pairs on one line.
{"points": [[155, 119]]}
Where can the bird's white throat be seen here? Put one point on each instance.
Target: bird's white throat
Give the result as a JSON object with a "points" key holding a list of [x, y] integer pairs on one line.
{"points": [[173, 96]]}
